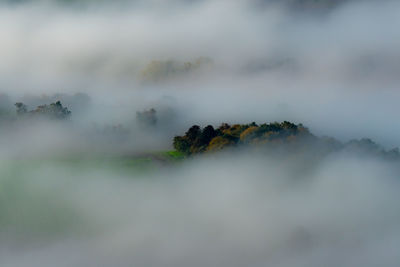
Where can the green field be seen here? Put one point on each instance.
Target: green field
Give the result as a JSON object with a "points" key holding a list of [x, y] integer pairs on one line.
{"points": [[143, 162]]}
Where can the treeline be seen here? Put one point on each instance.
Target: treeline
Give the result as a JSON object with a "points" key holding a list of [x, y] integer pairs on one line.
{"points": [[197, 140], [78, 102], [51, 111], [285, 135]]}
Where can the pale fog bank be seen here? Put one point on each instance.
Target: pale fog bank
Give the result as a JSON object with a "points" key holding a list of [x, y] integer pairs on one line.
{"points": [[223, 211]]}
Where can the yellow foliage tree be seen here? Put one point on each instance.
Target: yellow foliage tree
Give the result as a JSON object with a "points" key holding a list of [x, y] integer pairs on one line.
{"points": [[247, 135], [219, 143]]}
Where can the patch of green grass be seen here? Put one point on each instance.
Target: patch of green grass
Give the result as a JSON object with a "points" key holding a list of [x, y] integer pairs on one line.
{"points": [[145, 162], [174, 155]]}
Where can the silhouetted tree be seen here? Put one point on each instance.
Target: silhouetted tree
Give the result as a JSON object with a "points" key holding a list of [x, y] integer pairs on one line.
{"points": [[21, 108], [52, 111], [193, 133], [207, 135]]}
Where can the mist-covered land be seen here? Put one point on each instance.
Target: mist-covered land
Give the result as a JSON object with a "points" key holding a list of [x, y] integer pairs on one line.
{"points": [[199, 133]]}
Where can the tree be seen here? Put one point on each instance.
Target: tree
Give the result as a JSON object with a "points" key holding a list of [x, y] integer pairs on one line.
{"points": [[247, 135], [203, 139], [52, 111], [193, 133], [21, 108], [219, 143], [207, 135], [182, 144]]}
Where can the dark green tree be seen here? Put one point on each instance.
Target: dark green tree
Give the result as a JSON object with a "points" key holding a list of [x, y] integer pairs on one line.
{"points": [[182, 144], [21, 108], [193, 133]]}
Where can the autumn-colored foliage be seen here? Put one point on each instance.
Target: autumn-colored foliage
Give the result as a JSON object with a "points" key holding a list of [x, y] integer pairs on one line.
{"points": [[197, 140], [285, 136]]}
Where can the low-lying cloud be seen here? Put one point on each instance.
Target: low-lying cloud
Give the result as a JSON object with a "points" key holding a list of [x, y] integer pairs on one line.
{"points": [[230, 211], [333, 68]]}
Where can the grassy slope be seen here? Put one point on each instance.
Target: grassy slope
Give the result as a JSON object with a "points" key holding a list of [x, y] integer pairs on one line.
{"points": [[128, 163]]}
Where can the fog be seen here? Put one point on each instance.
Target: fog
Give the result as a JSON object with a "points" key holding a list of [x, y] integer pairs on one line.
{"points": [[327, 70], [232, 213], [331, 66]]}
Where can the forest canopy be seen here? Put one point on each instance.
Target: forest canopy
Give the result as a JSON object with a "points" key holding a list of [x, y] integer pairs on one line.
{"points": [[285, 135], [197, 140]]}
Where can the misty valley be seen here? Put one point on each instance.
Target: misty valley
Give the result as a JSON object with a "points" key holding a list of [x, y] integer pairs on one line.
{"points": [[185, 133]]}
